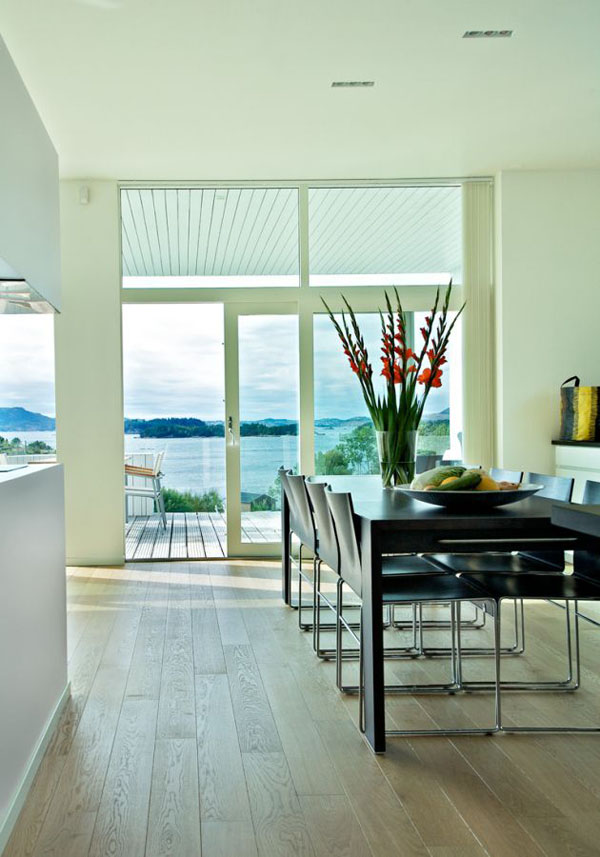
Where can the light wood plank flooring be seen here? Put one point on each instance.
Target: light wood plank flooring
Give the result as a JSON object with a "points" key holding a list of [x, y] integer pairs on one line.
{"points": [[201, 723]]}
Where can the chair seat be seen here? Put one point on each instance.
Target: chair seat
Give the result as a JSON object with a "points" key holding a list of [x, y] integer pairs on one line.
{"points": [[553, 585], [410, 588], [503, 563], [408, 564]]}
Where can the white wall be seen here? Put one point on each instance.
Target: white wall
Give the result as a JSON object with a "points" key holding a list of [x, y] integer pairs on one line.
{"points": [[89, 398], [29, 219], [548, 305], [33, 627]]}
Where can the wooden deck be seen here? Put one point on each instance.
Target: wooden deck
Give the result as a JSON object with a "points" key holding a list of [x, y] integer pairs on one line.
{"points": [[194, 535]]}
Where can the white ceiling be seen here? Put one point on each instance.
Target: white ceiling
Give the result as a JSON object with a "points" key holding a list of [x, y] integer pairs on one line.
{"points": [[207, 89]]}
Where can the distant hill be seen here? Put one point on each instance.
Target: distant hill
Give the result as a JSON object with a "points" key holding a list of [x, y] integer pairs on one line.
{"points": [[441, 415], [334, 422], [19, 419], [183, 427]]}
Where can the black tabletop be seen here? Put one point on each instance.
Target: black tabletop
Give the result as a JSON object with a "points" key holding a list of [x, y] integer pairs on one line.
{"points": [[374, 503], [581, 519]]}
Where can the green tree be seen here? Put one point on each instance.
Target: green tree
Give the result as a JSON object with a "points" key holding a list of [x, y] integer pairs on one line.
{"points": [[359, 448], [333, 462]]}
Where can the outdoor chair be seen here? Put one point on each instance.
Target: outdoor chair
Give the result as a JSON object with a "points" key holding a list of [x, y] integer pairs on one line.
{"points": [[152, 487]]}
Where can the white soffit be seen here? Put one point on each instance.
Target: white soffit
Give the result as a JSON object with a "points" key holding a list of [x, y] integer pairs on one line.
{"points": [[192, 89], [249, 236]]}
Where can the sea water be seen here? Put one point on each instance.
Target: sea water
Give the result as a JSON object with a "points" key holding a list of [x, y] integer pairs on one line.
{"points": [[197, 464]]}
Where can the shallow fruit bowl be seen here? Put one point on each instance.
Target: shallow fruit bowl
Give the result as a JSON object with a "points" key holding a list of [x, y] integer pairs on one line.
{"points": [[471, 500]]}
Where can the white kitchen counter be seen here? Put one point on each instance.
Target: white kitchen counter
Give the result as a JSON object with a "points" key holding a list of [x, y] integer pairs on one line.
{"points": [[578, 460], [33, 634]]}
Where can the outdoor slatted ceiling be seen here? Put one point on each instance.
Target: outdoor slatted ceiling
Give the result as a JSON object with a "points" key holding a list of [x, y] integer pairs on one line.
{"points": [[203, 232], [384, 230], [253, 232]]}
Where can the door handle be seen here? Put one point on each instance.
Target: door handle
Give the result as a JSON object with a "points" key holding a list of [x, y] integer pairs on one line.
{"points": [[230, 430]]}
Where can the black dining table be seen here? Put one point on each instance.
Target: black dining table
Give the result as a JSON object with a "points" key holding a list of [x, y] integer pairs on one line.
{"points": [[392, 522]]}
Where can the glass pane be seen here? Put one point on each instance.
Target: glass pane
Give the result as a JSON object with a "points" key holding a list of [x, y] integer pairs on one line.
{"points": [[217, 237], [344, 435], [27, 404], [173, 373], [385, 236], [268, 357], [440, 432]]}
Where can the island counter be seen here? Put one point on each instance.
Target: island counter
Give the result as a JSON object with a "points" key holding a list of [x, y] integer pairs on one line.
{"points": [[33, 633]]}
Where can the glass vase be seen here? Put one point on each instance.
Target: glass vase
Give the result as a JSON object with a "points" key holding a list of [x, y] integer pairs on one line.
{"points": [[397, 453]]}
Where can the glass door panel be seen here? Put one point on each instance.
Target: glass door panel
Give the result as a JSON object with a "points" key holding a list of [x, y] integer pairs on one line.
{"points": [[262, 408]]}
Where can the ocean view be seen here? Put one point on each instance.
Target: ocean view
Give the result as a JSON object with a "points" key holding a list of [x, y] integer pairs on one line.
{"points": [[197, 464]]}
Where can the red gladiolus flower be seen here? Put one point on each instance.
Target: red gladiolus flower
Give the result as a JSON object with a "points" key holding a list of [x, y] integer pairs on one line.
{"points": [[387, 372], [426, 378], [423, 333]]}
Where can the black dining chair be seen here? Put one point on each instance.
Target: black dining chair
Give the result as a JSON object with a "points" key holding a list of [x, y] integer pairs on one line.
{"points": [[302, 526], [553, 488], [582, 585], [591, 497], [502, 475], [328, 553], [406, 588]]}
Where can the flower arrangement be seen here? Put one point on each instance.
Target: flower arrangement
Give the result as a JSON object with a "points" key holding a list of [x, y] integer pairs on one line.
{"points": [[410, 375]]}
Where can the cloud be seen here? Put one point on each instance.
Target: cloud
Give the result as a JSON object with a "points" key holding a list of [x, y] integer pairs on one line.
{"points": [[27, 362]]}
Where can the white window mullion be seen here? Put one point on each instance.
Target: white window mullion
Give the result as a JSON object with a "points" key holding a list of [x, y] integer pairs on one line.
{"points": [[478, 354]]}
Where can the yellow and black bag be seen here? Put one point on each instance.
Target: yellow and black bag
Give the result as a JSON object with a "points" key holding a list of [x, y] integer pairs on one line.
{"points": [[579, 413]]}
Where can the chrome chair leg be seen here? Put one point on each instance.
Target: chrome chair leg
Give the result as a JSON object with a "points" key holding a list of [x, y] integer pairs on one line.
{"points": [[568, 684], [517, 648]]}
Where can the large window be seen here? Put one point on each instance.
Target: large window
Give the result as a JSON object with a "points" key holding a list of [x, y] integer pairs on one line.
{"points": [[224, 323], [27, 404]]}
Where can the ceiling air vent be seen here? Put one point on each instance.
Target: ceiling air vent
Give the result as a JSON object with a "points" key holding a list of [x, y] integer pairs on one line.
{"points": [[487, 34], [353, 84]]}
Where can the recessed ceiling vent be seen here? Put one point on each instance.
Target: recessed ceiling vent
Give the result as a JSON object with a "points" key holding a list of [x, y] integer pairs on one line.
{"points": [[487, 34], [352, 84]]}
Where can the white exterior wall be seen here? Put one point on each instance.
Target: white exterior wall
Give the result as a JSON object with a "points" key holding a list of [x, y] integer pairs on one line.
{"points": [[547, 305]]}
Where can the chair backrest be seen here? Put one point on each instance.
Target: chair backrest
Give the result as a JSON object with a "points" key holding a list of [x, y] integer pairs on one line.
{"points": [[327, 546], [591, 493], [283, 477], [303, 523], [158, 460], [555, 487], [342, 512], [501, 475], [427, 462]]}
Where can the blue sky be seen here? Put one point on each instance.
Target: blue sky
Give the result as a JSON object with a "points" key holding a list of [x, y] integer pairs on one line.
{"points": [[173, 364]]}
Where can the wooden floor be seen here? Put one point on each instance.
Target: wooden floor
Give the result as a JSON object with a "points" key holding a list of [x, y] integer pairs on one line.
{"points": [[201, 723], [194, 535]]}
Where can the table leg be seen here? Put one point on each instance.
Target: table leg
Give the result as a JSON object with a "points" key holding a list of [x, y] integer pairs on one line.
{"points": [[286, 559], [372, 637]]}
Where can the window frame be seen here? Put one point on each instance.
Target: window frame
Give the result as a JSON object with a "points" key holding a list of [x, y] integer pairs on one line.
{"points": [[306, 300]]}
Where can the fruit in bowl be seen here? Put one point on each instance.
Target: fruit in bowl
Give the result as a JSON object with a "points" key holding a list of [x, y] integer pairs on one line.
{"points": [[459, 478]]}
